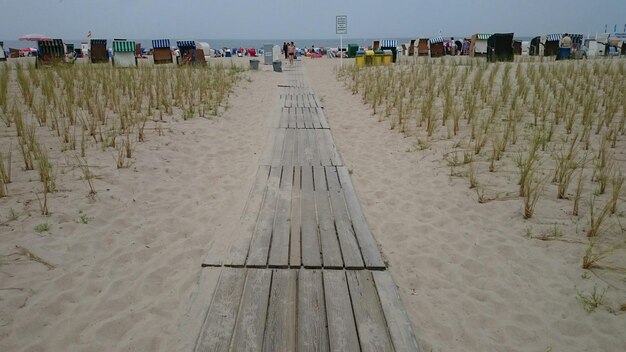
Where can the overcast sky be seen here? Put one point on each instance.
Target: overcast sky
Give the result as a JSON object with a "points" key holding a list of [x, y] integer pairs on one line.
{"points": [[303, 19]]}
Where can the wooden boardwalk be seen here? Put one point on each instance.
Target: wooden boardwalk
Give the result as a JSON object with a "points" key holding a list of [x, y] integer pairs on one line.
{"points": [[303, 272]]}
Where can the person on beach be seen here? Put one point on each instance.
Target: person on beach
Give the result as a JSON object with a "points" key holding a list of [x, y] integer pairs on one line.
{"points": [[285, 50], [292, 52], [566, 42]]}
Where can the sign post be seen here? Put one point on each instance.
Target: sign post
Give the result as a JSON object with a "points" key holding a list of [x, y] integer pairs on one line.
{"points": [[341, 27]]}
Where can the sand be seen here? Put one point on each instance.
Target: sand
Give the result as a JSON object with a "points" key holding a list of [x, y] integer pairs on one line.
{"points": [[469, 278], [124, 281]]}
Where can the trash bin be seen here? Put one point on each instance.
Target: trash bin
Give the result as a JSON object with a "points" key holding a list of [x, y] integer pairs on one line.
{"points": [[387, 57], [369, 57], [564, 53], [359, 59], [254, 64], [378, 57], [352, 49], [278, 66]]}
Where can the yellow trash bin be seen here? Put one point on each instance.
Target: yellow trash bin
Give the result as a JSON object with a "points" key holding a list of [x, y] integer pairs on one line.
{"points": [[359, 59], [387, 57], [378, 57], [369, 57]]}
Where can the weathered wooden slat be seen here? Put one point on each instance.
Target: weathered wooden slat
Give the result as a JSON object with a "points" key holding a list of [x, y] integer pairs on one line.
{"points": [[335, 159], [323, 121], [368, 314], [315, 154], [294, 251], [342, 333], [283, 122], [288, 148], [277, 151], [252, 313], [322, 147], [242, 234], [367, 243], [301, 118], [190, 329], [279, 253], [281, 326], [218, 327], [315, 117], [310, 119], [398, 322], [331, 254], [312, 330], [309, 234], [349, 246], [302, 141], [292, 117], [260, 245]]}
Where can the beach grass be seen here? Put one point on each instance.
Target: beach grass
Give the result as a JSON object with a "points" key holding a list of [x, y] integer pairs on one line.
{"points": [[535, 124]]}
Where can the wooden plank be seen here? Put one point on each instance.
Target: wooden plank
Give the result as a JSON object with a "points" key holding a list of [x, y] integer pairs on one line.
{"points": [[308, 119], [369, 248], [347, 240], [323, 121], [190, 329], [335, 159], [315, 155], [242, 234], [342, 333], [279, 254], [309, 234], [322, 147], [302, 141], [277, 151], [315, 117], [219, 324], [300, 118], [312, 331], [331, 254], [288, 148], [292, 118], [252, 313], [284, 113], [397, 318], [368, 314], [280, 331], [294, 243], [260, 246]]}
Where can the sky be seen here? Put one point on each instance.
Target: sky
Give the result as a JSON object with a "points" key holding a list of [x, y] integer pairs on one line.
{"points": [[304, 19]]}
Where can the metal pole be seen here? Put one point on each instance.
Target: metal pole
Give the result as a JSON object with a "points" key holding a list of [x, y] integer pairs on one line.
{"points": [[340, 50]]}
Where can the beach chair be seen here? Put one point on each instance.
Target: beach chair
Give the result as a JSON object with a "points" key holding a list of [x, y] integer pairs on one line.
{"points": [[500, 47], [161, 52], [124, 53], [50, 52], [98, 53], [436, 47]]}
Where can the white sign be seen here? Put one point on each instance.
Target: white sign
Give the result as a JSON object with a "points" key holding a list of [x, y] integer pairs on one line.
{"points": [[342, 25]]}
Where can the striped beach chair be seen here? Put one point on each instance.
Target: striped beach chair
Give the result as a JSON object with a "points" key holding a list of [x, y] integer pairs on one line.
{"points": [[436, 47], [124, 53], [162, 52]]}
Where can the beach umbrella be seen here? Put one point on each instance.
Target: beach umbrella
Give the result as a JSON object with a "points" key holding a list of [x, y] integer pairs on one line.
{"points": [[34, 37]]}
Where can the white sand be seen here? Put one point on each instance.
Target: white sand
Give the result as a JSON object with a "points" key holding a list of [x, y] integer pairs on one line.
{"points": [[123, 281], [467, 276]]}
